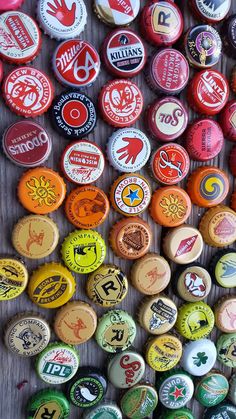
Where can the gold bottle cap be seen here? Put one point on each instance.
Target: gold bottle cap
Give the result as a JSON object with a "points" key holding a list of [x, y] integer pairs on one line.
{"points": [[158, 314], [163, 352], [183, 244], [225, 314], [13, 278], [218, 226]]}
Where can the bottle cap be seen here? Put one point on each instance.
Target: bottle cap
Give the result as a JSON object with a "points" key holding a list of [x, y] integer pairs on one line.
{"points": [[211, 389], [182, 413], [225, 310], [208, 92], [218, 226], [125, 369], [116, 331], [193, 282], [107, 286], [130, 194], [208, 186], [88, 387], [233, 79], [151, 274], [233, 201], [117, 14], [195, 320], [229, 35], [27, 143], [41, 190], [224, 410], [1, 70], [175, 389], [170, 82], [128, 150], [198, 357], [28, 92], [130, 238], [73, 114], [161, 23], [232, 161], [170, 206], [57, 363], [13, 278], [202, 44], [157, 314], [120, 103], [51, 285], [166, 119], [35, 236], [232, 389], [10, 5], [19, 49], [82, 162], [123, 53], [103, 410], [198, 133], [170, 164], [139, 401], [64, 20], [163, 352], [75, 323], [76, 63], [228, 117], [223, 268], [87, 207], [212, 12], [48, 400], [183, 244], [27, 334], [83, 251]]}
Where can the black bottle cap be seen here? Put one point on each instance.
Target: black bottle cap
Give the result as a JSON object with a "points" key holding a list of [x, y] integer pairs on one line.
{"points": [[229, 36]]}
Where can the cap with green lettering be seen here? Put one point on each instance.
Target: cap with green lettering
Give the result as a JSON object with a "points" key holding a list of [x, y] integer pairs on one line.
{"points": [[48, 402], [139, 401], [212, 389]]}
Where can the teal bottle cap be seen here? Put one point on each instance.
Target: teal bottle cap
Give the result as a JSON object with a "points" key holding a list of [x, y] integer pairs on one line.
{"points": [[175, 389], [106, 410], [48, 403], [183, 413], [212, 389], [198, 357], [226, 352], [125, 369], [222, 411], [139, 401]]}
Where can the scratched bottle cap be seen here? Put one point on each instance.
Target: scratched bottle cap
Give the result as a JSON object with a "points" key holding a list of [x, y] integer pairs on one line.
{"points": [[211, 389], [208, 186], [182, 413], [196, 139], [120, 103], [76, 63], [27, 334], [161, 23], [175, 389], [226, 349], [198, 357], [232, 389], [20, 38], [218, 226], [51, 285], [130, 194], [41, 190], [183, 244], [166, 119], [105, 410], [62, 20], [87, 207], [150, 274], [168, 71], [195, 320], [116, 331], [228, 118], [57, 363], [75, 323], [225, 309], [232, 161], [224, 410], [192, 282], [128, 150], [163, 352], [35, 236], [47, 401], [10, 5], [125, 369], [83, 251], [223, 268], [229, 36], [170, 164], [139, 401], [123, 53], [107, 286], [13, 278], [212, 12], [130, 238], [82, 162], [116, 13], [28, 92]]}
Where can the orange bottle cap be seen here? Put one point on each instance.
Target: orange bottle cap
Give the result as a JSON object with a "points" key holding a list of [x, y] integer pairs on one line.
{"points": [[183, 244], [218, 226]]}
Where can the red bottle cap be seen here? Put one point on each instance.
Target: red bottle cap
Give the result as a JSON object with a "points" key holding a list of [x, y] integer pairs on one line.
{"points": [[204, 140], [120, 103], [124, 53], [1, 71], [28, 92], [161, 22], [228, 120], [232, 161], [170, 164], [208, 92], [166, 119], [20, 38], [210, 11], [26, 144], [76, 63], [168, 72], [10, 5]]}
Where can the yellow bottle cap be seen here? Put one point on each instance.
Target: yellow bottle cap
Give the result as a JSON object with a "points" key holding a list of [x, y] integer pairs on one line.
{"points": [[13, 278], [157, 314], [195, 320], [218, 226], [163, 352]]}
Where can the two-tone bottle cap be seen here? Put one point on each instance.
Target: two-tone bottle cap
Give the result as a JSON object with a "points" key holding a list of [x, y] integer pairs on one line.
{"points": [[223, 268], [157, 314], [232, 161], [176, 389], [229, 35], [192, 282], [13, 278], [163, 352], [224, 410], [116, 13], [211, 389], [104, 410], [218, 226], [125, 369], [224, 310], [48, 400], [195, 320], [139, 401], [10, 5], [183, 244], [198, 357], [212, 12], [228, 119]]}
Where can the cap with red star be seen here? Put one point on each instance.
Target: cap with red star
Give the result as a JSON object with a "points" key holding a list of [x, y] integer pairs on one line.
{"points": [[175, 389]]}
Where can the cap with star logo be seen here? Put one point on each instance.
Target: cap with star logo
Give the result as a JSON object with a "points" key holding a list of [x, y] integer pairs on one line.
{"points": [[139, 401], [198, 357], [175, 389], [211, 389], [116, 13]]}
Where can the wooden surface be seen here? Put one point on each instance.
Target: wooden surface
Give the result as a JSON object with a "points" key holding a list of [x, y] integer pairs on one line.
{"points": [[14, 369]]}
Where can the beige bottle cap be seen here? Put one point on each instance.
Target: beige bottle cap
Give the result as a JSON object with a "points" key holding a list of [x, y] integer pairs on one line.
{"points": [[75, 323], [157, 315], [218, 226], [151, 274], [183, 244], [193, 283], [225, 314]]}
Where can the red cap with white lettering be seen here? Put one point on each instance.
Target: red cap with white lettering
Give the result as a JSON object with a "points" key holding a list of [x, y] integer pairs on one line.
{"points": [[10, 5]]}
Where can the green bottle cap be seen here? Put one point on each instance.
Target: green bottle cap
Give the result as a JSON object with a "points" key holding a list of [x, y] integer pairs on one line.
{"points": [[226, 349], [223, 268], [175, 389], [48, 403], [106, 410], [139, 401], [232, 389], [211, 389], [222, 411], [182, 413], [195, 320]]}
